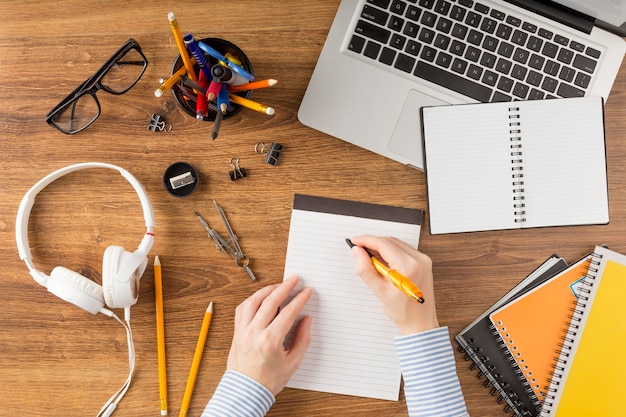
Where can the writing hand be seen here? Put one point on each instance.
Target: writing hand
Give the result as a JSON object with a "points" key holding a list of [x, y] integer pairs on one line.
{"points": [[257, 350], [408, 315]]}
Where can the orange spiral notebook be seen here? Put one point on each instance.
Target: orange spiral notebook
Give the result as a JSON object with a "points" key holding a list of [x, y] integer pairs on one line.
{"points": [[532, 326], [588, 379]]}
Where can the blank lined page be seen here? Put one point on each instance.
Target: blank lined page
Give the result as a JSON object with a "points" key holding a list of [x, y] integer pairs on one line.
{"points": [[352, 350]]}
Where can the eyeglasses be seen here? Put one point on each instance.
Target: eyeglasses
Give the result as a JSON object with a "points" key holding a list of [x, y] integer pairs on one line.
{"points": [[118, 75]]}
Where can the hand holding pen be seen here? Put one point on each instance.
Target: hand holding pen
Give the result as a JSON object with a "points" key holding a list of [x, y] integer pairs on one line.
{"points": [[398, 265]]}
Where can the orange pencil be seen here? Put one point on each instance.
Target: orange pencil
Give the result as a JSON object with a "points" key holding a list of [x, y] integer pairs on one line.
{"points": [[255, 85]]}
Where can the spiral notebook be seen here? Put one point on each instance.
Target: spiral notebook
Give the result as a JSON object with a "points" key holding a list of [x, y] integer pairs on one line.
{"points": [[589, 377], [482, 346], [493, 166], [532, 326]]}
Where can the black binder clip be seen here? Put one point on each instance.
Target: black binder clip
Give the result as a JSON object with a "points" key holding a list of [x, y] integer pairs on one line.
{"points": [[157, 122], [271, 152], [237, 172]]}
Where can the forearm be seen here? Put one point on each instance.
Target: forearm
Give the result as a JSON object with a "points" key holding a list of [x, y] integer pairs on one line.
{"points": [[237, 395], [431, 384]]}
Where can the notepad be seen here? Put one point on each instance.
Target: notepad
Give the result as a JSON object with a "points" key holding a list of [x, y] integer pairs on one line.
{"points": [[532, 326], [493, 166], [589, 378], [352, 350]]}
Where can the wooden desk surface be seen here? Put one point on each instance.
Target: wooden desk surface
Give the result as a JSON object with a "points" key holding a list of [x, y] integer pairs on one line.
{"points": [[58, 360]]}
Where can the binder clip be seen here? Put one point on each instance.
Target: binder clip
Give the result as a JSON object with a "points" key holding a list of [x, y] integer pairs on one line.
{"points": [[237, 172], [157, 122], [271, 152]]}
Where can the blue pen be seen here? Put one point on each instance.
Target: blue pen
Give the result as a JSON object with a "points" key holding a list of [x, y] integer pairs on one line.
{"points": [[215, 54], [222, 98], [192, 46]]}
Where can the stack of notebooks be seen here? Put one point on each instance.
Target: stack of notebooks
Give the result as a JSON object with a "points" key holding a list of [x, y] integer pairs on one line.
{"points": [[552, 345]]}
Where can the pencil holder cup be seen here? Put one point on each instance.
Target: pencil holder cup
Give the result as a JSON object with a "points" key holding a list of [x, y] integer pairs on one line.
{"points": [[228, 49]]}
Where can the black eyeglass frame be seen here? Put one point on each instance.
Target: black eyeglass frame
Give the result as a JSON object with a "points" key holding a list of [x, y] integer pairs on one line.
{"points": [[93, 84]]}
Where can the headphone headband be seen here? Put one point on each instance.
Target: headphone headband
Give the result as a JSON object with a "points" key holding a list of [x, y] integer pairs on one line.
{"points": [[26, 205]]}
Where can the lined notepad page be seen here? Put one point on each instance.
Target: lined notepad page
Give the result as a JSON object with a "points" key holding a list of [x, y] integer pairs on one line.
{"points": [[352, 351], [470, 151]]}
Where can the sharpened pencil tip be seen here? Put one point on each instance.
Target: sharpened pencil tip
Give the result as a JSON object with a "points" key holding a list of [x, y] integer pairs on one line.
{"points": [[171, 17], [157, 261], [209, 309]]}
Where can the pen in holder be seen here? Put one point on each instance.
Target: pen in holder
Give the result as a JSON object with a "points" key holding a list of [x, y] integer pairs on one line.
{"points": [[185, 94]]}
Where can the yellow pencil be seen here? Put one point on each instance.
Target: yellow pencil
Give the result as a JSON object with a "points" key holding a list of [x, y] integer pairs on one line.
{"points": [[178, 37], [254, 85], [158, 293], [169, 83], [253, 105], [195, 365]]}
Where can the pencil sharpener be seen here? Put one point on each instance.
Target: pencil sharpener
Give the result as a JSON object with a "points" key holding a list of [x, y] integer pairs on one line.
{"points": [[180, 179], [181, 92]]}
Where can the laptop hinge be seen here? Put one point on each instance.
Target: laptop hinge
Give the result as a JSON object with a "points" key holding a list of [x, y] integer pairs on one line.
{"points": [[557, 12]]}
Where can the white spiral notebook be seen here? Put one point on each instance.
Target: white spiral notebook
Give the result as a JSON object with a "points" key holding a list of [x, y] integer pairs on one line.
{"points": [[493, 166]]}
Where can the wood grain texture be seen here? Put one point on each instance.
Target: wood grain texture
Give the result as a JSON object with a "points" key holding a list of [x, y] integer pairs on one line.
{"points": [[57, 360]]}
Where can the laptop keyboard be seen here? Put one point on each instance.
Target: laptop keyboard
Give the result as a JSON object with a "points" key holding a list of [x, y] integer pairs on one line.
{"points": [[473, 49]]}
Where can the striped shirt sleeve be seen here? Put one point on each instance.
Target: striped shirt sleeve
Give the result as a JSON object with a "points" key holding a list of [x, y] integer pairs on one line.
{"points": [[238, 395], [431, 384]]}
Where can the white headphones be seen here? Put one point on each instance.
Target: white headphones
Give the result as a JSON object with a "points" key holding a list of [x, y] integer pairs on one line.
{"points": [[121, 270]]}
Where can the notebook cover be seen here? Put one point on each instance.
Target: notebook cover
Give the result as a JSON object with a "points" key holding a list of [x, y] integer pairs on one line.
{"points": [[589, 379], [532, 326], [482, 347]]}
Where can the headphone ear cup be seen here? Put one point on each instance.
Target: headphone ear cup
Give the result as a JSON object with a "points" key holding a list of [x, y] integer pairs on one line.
{"points": [[76, 289], [121, 273]]}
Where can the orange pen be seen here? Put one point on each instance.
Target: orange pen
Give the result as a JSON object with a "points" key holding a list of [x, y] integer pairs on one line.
{"points": [[397, 279]]}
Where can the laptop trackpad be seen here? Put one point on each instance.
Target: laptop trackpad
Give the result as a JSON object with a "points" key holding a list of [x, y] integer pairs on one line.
{"points": [[406, 139]]}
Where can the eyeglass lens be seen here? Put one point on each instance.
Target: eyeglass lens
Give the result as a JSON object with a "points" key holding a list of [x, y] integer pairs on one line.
{"points": [[121, 76]]}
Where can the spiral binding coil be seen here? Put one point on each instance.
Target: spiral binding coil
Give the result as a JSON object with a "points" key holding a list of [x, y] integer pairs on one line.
{"points": [[517, 168], [568, 340]]}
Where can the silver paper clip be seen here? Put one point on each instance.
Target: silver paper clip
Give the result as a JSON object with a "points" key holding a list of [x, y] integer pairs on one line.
{"points": [[241, 259]]}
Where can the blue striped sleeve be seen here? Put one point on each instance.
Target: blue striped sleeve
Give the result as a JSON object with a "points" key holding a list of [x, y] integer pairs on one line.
{"points": [[239, 396], [431, 384]]}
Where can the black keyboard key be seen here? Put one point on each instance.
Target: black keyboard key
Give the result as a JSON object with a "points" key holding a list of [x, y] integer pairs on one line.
{"points": [[552, 68], [582, 80], [550, 49], [475, 37], [474, 72], [513, 21], [426, 35], [442, 7], [371, 50], [427, 4], [567, 74], [444, 25], [544, 33], [387, 56], [584, 64], [504, 31], [452, 81], [521, 55], [457, 48], [529, 27], [549, 84], [497, 14], [577, 46], [534, 78], [488, 60], [356, 44], [459, 31], [443, 60], [498, 97], [412, 47], [398, 7], [534, 44], [372, 31], [536, 62], [458, 13], [565, 56], [466, 3], [566, 90], [503, 66], [375, 15], [473, 19], [536, 94], [518, 72], [561, 40], [429, 19], [472, 54], [506, 49], [521, 90], [459, 66], [428, 54], [505, 84], [519, 37], [490, 78], [442, 41], [397, 41], [405, 63], [411, 29], [489, 25], [395, 23], [413, 13], [479, 7], [380, 3], [490, 43]]}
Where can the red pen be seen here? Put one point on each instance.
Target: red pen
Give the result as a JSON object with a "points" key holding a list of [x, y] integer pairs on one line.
{"points": [[213, 90], [202, 105]]}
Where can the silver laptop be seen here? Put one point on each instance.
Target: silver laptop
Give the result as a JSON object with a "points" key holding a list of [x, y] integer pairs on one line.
{"points": [[385, 59]]}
